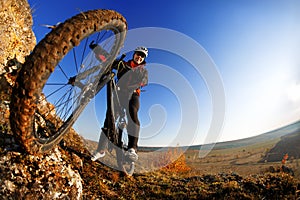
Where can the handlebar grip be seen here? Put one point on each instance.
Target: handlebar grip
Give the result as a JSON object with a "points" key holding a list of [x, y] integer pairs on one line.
{"points": [[122, 57]]}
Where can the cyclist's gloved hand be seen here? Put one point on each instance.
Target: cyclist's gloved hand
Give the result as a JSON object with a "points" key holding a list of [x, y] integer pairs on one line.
{"points": [[93, 45]]}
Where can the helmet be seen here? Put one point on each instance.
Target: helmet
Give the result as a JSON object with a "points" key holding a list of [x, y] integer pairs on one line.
{"points": [[142, 49]]}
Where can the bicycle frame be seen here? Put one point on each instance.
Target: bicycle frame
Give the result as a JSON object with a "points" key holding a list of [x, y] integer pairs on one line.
{"points": [[115, 123], [115, 114]]}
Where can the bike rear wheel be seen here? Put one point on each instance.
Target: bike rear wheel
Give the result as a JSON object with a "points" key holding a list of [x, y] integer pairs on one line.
{"points": [[124, 163], [61, 75]]}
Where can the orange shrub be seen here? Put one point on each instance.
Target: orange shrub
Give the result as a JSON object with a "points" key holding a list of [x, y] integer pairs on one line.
{"points": [[172, 161], [284, 159]]}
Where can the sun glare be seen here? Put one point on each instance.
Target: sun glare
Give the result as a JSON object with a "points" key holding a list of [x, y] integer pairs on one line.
{"points": [[293, 92]]}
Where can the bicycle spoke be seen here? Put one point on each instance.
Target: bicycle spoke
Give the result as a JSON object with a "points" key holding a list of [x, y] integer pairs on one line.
{"points": [[83, 53], [66, 108], [107, 41], [55, 91], [61, 69], [75, 60], [63, 101], [99, 39]]}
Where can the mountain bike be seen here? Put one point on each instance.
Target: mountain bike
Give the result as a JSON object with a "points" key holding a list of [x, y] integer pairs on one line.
{"points": [[62, 75], [114, 125]]}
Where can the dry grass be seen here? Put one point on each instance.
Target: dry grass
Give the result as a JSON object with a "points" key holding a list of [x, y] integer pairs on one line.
{"points": [[244, 161]]}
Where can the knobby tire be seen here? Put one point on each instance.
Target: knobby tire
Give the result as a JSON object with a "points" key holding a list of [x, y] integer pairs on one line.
{"points": [[42, 62]]}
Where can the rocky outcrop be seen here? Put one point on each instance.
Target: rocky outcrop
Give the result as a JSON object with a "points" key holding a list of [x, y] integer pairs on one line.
{"points": [[38, 177], [23, 176], [16, 41]]}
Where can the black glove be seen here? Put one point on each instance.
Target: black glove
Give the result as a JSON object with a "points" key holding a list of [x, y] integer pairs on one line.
{"points": [[93, 45]]}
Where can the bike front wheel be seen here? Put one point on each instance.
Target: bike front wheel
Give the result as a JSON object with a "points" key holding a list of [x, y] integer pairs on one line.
{"points": [[61, 75]]}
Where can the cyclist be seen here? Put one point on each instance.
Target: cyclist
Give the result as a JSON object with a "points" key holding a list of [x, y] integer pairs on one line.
{"points": [[131, 76]]}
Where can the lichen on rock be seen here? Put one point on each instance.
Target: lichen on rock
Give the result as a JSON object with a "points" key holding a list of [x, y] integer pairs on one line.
{"points": [[16, 35]]}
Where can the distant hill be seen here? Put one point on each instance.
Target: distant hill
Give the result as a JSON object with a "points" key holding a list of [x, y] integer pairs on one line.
{"points": [[289, 144], [291, 129]]}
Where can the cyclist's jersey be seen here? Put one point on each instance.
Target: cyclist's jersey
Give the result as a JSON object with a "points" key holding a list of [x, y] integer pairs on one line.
{"points": [[137, 77]]}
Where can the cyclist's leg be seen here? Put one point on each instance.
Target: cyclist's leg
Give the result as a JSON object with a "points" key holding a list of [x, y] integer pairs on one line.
{"points": [[133, 128]]}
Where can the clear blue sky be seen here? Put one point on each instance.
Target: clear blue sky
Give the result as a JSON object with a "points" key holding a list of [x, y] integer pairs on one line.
{"points": [[254, 45]]}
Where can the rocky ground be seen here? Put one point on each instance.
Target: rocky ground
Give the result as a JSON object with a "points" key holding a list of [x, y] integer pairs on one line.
{"points": [[67, 173]]}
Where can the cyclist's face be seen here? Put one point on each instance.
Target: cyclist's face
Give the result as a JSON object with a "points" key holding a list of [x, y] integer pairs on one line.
{"points": [[138, 57]]}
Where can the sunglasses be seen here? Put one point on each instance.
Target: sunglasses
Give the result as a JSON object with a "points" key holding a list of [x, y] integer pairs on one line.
{"points": [[140, 54]]}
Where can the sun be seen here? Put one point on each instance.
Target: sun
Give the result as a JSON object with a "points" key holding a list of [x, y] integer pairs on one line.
{"points": [[293, 92]]}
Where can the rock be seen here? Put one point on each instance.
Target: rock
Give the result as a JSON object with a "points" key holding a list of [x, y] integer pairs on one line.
{"points": [[43, 177]]}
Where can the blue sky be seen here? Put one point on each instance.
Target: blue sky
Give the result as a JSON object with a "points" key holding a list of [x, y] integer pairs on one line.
{"points": [[254, 46]]}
